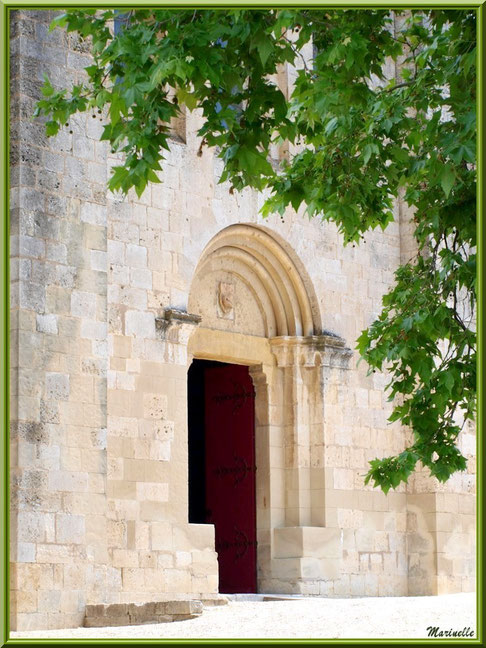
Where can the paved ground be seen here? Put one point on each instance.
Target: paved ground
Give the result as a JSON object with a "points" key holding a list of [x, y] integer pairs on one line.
{"points": [[301, 618]]}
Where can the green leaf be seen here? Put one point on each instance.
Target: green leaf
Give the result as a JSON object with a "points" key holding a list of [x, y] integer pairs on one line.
{"points": [[58, 21], [447, 180], [367, 151], [47, 89], [331, 126], [264, 46], [187, 98], [52, 128]]}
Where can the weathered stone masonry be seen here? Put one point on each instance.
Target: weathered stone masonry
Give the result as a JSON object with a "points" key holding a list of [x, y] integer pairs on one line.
{"points": [[100, 349]]}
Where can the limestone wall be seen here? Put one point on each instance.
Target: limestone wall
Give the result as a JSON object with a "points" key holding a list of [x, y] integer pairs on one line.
{"points": [[59, 354], [99, 385]]}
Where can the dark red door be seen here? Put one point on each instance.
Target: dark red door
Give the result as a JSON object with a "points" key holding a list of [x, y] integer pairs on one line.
{"points": [[230, 474]]}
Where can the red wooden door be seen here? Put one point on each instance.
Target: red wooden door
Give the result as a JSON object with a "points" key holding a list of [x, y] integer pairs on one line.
{"points": [[230, 474]]}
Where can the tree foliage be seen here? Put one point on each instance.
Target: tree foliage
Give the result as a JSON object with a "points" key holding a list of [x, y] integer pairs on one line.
{"points": [[364, 139]]}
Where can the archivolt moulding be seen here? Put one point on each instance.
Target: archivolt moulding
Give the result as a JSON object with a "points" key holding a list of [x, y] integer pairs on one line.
{"points": [[271, 272]]}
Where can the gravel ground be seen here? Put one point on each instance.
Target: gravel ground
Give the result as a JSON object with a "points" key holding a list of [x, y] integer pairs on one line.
{"points": [[312, 618]]}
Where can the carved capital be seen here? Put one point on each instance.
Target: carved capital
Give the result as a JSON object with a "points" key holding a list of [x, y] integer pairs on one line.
{"points": [[311, 351]]}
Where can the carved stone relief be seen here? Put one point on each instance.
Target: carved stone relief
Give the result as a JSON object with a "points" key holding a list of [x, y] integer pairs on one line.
{"points": [[226, 296]]}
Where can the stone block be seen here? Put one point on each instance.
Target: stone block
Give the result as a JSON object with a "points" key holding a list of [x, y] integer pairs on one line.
{"points": [[82, 146], [30, 246], [50, 601], [116, 610], [163, 430], [35, 527], [65, 276], [54, 553], [93, 330], [365, 540], [141, 278], [61, 480], [204, 563], [343, 479], [98, 260], [70, 529], [133, 579], [116, 252], [136, 256], [153, 510], [144, 470], [140, 324], [183, 558], [160, 450], [122, 489], [32, 296], [299, 542], [47, 324], [153, 491], [57, 386], [191, 537], [155, 406], [184, 607], [93, 213], [161, 536], [125, 558], [101, 622], [24, 601], [83, 304], [287, 568], [178, 581], [25, 552]]}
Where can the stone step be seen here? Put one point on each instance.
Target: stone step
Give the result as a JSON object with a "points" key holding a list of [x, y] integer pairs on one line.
{"points": [[212, 600], [119, 614], [264, 597]]}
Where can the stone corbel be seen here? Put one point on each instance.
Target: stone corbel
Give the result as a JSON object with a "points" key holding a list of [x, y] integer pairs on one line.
{"points": [[326, 350], [176, 325]]}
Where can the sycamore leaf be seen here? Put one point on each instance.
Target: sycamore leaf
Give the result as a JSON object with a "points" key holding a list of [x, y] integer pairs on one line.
{"points": [[187, 98], [447, 180], [52, 128]]}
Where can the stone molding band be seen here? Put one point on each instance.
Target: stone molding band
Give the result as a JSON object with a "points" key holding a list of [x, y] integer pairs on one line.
{"points": [[310, 351]]}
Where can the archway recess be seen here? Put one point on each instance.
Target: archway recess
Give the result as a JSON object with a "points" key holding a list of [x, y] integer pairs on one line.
{"points": [[270, 272], [255, 305]]}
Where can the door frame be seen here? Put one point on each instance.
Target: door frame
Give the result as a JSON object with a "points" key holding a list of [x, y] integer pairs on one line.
{"points": [[234, 577], [254, 352]]}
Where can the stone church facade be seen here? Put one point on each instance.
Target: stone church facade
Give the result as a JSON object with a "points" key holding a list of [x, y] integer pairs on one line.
{"points": [[113, 300]]}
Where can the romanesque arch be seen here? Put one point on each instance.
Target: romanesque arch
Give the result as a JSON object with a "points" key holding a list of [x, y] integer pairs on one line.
{"points": [[255, 305], [272, 274]]}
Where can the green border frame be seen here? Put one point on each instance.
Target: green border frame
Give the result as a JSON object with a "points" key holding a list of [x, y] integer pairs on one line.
{"points": [[5, 7]]}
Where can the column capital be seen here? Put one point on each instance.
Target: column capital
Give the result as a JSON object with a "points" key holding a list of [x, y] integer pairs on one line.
{"points": [[311, 351]]}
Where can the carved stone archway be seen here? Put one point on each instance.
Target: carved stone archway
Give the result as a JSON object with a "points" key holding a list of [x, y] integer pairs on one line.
{"points": [[253, 303], [252, 256]]}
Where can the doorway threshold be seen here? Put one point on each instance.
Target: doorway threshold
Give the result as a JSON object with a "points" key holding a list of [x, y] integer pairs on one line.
{"points": [[264, 597]]}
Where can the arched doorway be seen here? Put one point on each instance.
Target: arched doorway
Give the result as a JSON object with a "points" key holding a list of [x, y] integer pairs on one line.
{"points": [[258, 312], [221, 439]]}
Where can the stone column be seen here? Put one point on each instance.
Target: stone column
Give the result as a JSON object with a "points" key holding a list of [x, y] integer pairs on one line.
{"points": [[307, 363], [304, 550]]}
